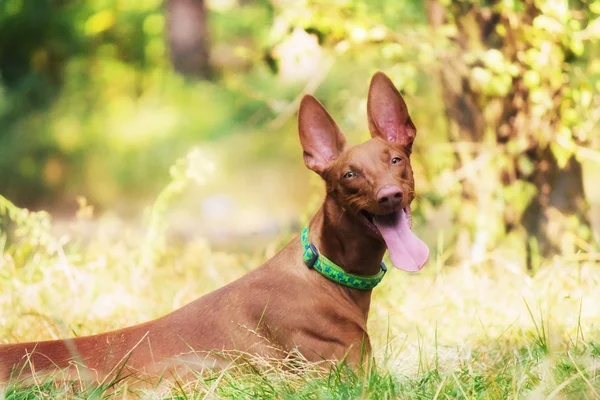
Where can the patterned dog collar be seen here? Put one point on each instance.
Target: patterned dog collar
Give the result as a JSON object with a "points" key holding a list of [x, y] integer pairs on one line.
{"points": [[333, 272]]}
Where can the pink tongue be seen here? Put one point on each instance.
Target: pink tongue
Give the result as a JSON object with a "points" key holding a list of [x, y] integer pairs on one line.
{"points": [[407, 251]]}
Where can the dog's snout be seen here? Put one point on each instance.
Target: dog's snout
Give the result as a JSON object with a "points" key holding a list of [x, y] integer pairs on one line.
{"points": [[389, 196]]}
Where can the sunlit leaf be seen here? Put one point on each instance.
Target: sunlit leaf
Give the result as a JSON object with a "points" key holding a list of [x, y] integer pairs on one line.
{"points": [[359, 34], [586, 98], [481, 76], [525, 165], [154, 24], [531, 78], [392, 50], [562, 154], [563, 148], [514, 69], [548, 23], [557, 8], [592, 31], [155, 49], [577, 47], [378, 33], [12, 7], [570, 116], [100, 22], [500, 85], [539, 96], [594, 67], [494, 59]]}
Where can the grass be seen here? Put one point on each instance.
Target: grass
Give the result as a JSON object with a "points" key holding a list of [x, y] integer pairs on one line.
{"points": [[492, 371], [485, 330]]}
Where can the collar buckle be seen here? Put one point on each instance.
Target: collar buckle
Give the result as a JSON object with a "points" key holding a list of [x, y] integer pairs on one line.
{"points": [[311, 254], [383, 267]]}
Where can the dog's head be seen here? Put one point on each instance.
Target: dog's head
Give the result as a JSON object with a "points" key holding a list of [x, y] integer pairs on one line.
{"points": [[372, 181]]}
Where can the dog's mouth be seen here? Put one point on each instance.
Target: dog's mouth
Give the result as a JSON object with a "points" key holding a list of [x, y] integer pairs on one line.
{"points": [[407, 251], [367, 219]]}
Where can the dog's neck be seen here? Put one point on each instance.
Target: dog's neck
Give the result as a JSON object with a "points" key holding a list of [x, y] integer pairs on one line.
{"points": [[344, 239]]}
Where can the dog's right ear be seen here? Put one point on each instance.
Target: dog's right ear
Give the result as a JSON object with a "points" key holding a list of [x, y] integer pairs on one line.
{"points": [[320, 137]]}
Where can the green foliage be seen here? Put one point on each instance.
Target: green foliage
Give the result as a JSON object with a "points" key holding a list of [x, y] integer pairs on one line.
{"points": [[115, 116], [87, 93]]}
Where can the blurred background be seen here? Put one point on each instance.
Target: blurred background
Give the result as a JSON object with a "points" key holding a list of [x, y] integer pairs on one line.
{"points": [[99, 98], [111, 112]]}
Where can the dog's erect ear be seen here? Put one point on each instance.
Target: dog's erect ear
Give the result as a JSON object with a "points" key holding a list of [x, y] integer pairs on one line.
{"points": [[321, 138], [387, 112]]}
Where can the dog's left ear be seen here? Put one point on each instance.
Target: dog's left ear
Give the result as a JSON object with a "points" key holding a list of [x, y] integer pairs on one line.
{"points": [[388, 114]]}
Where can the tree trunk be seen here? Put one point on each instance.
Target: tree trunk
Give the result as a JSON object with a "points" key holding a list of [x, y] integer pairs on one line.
{"points": [[558, 207], [187, 34]]}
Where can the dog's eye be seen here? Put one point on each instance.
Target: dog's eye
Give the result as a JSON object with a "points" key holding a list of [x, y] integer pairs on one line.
{"points": [[396, 160], [349, 174]]}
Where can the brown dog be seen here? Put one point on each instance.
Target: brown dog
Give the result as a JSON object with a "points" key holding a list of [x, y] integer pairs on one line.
{"points": [[298, 299]]}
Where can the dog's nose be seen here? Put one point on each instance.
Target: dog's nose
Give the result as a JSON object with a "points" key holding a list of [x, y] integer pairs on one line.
{"points": [[389, 196]]}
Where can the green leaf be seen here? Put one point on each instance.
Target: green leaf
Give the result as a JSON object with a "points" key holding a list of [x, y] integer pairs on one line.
{"points": [[525, 165], [100, 22], [481, 75], [531, 79], [586, 98], [577, 47], [547, 23], [561, 153], [154, 24], [494, 59]]}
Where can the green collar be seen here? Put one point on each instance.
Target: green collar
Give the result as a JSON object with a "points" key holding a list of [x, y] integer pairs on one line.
{"points": [[334, 273]]}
